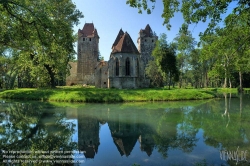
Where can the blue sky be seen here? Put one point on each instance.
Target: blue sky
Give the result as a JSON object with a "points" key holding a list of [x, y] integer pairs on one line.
{"points": [[110, 15]]}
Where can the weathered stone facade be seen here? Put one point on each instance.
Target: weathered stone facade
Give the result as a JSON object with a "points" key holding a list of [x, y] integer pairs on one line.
{"points": [[72, 78], [88, 134], [146, 43], [101, 75], [120, 77], [88, 54], [126, 66]]}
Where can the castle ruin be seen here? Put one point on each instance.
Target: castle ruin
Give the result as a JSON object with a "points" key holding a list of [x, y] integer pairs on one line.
{"points": [[126, 65]]}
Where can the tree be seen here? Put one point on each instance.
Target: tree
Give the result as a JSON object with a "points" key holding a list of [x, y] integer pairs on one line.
{"points": [[185, 44], [154, 73], [165, 58], [41, 32], [196, 67], [228, 50], [196, 11]]}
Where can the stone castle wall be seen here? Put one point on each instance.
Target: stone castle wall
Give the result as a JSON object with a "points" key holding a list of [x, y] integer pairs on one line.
{"points": [[101, 75], [72, 78]]}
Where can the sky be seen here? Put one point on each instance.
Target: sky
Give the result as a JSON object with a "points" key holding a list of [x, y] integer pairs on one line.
{"points": [[109, 16]]}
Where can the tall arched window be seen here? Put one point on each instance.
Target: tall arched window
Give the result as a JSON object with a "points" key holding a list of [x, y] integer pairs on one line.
{"points": [[127, 66], [116, 67]]}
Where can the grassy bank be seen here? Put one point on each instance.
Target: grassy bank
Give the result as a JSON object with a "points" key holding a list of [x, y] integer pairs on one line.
{"points": [[90, 94]]}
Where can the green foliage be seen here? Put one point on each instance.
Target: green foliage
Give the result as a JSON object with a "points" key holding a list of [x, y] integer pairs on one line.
{"points": [[69, 94], [41, 35], [185, 44], [165, 59], [31, 127], [197, 11], [225, 49], [154, 73]]}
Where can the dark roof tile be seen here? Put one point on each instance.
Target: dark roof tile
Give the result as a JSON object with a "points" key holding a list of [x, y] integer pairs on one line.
{"points": [[147, 31], [88, 30], [119, 36], [125, 45]]}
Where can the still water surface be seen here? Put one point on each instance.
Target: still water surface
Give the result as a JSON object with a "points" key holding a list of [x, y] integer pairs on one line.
{"points": [[209, 132]]}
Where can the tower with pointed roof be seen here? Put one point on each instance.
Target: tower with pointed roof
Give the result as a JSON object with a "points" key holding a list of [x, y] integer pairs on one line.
{"points": [[146, 43], [87, 53]]}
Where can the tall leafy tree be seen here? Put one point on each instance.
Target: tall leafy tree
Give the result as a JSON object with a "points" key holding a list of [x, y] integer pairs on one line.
{"points": [[42, 33], [155, 74], [228, 49], [165, 57], [196, 67], [185, 44]]}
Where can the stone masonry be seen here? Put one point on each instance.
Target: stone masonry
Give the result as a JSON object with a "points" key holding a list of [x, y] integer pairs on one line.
{"points": [[126, 66], [146, 43], [88, 54]]}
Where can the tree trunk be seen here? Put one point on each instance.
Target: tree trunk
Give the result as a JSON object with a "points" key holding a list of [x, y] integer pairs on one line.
{"points": [[230, 83], [205, 80], [169, 81], [225, 82], [225, 79], [240, 78], [51, 75], [240, 104], [180, 82]]}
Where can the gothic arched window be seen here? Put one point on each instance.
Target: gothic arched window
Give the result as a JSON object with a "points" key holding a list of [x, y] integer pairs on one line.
{"points": [[116, 67], [127, 66]]}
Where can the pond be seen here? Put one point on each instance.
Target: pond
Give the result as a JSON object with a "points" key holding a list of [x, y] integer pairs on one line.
{"points": [[206, 132]]}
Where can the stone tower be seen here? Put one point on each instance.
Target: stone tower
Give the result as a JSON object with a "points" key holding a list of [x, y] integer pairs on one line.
{"points": [[146, 43], [87, 54]]}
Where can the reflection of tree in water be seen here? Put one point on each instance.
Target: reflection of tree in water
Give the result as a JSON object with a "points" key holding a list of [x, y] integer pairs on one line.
{"points": [[34, 127], [175, 132], [225, 123]]}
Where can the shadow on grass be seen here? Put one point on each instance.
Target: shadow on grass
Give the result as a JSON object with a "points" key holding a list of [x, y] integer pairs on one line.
{"points": [[101, 97], [215, 94], [24, 94]]}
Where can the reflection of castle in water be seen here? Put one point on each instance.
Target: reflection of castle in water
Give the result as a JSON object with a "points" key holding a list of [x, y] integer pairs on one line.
{"points": [[125, 131], [147, 142], [88, 135], [125, 134]]}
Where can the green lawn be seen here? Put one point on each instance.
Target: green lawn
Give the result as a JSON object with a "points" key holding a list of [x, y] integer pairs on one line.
{"points": [[91, 94]]}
